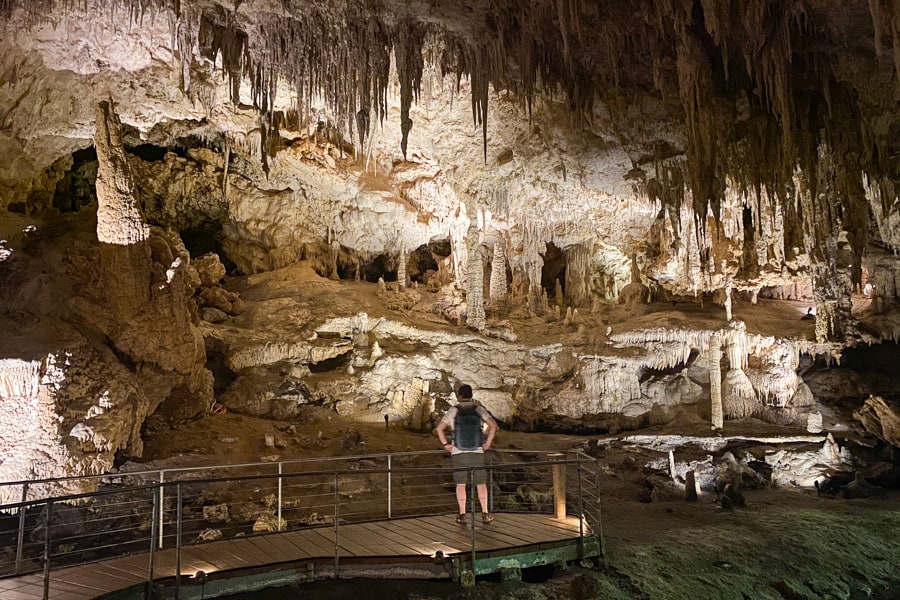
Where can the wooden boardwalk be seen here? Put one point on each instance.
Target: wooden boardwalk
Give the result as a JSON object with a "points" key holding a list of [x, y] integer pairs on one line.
{"points": [[434, 542]]}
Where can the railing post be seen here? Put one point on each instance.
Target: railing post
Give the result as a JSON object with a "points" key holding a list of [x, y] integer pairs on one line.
{"points": [[178, 542], [490, 489], [599, 510], [47, 550], [20, 540], [472, 495], [559, 486], [280, 473], [389, 480], [580, 499], [337, 539], [162, 504], [154, 524]]}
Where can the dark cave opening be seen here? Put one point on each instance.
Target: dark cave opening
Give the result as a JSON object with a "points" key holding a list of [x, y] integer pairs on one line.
{"points": [[382, 265], [331, 364], [148, 152], [877, 363], [223, 377], [204, 238], [78, 187], [554, 269], [421, 263]]}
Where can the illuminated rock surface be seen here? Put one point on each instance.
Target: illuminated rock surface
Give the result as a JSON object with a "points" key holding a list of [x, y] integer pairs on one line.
{"points": [[591, 208]]}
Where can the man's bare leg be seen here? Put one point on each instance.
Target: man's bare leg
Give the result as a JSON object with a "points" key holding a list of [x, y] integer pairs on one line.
{"points": [[461, 497], [483, 497]]}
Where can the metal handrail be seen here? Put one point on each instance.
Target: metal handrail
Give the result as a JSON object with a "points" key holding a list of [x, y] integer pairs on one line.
{"points": [[135, 496], [51, 480]]}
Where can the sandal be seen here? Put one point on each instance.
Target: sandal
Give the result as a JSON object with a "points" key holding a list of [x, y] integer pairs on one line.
{"points": [[461, 518], [487, 517]]}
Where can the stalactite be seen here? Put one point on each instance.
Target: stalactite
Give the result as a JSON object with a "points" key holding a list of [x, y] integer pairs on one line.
{"points": [[408, 56], [793, 136]]}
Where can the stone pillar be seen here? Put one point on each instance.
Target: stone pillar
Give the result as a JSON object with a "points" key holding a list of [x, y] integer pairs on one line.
{"points": [[498, 273], [335, 249], [578, 274], [715, 381], [729, 284], [401, 268], [474, 281], [833, 305]]}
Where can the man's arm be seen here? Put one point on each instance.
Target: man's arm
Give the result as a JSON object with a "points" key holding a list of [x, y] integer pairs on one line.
{"points": [[441, 433], [492, 431]]}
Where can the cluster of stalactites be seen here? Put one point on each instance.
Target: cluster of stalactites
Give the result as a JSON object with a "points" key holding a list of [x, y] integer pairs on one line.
{"points": [[748, 121], [733, 65]]}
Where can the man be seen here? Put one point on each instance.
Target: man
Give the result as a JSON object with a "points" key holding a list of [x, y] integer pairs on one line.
{"points": [[467, 448]]}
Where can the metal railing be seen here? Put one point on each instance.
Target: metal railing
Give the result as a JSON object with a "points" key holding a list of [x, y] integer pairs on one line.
{"points": [[183, 508]]}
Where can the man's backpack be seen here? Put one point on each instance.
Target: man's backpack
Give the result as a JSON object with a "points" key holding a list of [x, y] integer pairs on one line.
{"points": [[467, 434]]}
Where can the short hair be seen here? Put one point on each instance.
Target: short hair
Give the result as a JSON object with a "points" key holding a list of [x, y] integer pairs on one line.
{"points": [[465, 392]]}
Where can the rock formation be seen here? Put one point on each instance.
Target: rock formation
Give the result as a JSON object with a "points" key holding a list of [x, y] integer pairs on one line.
{"points": [[262, 168]]}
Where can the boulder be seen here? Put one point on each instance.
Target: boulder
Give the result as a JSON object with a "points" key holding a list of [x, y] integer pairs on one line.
{"points": [[209, 268]]}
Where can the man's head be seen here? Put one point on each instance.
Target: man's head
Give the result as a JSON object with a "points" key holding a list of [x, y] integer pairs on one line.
{"points": [[464, 393]]}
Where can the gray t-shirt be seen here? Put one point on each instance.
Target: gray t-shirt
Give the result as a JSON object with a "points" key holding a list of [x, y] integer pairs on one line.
{"points": [[450, 420]]}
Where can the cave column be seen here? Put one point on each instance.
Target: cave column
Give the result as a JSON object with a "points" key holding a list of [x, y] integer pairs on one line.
{"points": [[832, 287], [335, 250], [715, 381], [729, 285], [474, 281], [498, 273], [401, 268], [578, 274]]}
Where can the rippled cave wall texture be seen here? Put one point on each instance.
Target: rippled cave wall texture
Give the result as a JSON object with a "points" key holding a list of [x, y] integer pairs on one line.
{"points": [[532, 158]]}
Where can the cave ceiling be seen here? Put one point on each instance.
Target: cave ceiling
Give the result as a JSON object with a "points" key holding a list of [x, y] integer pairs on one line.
{"points": [[750, 142]]}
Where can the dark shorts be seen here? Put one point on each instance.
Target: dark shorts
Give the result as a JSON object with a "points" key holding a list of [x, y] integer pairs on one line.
{"points": [[467, 460]]}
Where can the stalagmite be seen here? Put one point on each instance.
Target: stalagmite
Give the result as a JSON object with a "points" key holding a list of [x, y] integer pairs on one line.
{"points": [[715, 382], [475, 317], [119, 219], [498, 273], [690, 487]]}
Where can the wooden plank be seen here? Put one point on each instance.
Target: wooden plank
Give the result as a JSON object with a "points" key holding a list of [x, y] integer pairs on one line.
{"points": [[446, 544], [256, 549], [381, 544], [311, 543], [230, 554], [538, 529], [324, 539], [114, 574], [413, 545], [283, 546], [498, 533], [487, 537], [195, 559], [352, 546], [453, 534]]}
